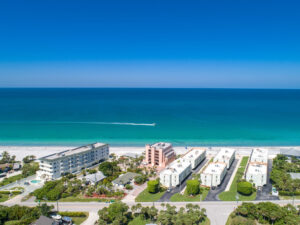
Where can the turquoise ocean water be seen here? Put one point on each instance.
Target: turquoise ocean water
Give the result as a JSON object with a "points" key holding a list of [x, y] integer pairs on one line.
{"points": [[139, 116]]}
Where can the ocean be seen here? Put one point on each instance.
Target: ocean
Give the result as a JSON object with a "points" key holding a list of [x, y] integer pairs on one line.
{"points": [[134, 117]]}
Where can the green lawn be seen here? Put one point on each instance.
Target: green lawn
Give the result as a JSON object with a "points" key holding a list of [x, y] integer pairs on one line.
{"points": [[289, 197], [145, 196], [139, 221], [205, 222], [5, 197], [79, 220], [80, 198], [231, 194], [10, 179], [186, 198]]}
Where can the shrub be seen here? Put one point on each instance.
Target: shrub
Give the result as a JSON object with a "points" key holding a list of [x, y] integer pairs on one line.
{"points": [[5, 192], [244, 188], [73, 214], [140, 179], [128, 187], [193, 187], [153, 186]]}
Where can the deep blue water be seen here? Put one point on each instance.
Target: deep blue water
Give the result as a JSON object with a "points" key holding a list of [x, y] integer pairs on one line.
{"points": [[139, 116]]}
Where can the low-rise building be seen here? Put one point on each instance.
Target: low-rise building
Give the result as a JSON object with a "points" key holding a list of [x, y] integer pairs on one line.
{"points": [[225, 155], [257, 173], [175, 173], [159, 154], [72, 161], [213, 174], [93, 178], [291, 152], [195, 156], [259, 155], [124, 179]]}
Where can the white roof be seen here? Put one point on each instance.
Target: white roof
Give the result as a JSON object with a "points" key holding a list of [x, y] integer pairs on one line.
{"points": [[161, 145], [73, 151], [259, 153], [194, 153], [257, 168], [215, 168], [177, 166], [295, 175], [224, 153]]}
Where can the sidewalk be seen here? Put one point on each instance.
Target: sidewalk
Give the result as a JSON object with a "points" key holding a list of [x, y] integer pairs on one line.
{"points": [[134, 193], [93, 217]]}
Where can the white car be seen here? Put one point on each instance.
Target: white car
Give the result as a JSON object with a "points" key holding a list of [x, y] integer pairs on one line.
{"points": [[274, 191]]}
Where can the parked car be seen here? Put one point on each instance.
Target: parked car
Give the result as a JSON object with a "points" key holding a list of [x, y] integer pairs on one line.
{"points": [[26, 183]]}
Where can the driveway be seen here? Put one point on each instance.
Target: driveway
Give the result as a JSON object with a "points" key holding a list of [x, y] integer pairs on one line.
{"points": [[213, 194], [264, 193], [166, 197]]}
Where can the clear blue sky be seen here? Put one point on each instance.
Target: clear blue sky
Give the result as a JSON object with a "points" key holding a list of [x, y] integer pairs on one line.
{"points": [[201, 43]]}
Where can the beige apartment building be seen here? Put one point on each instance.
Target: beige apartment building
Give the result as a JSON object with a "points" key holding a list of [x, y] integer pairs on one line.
{"points": [[159, 154]]}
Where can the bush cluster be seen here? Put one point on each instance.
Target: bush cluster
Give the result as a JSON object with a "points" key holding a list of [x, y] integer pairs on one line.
{"points": [[193, 187], [244, 188], [153, 186]]}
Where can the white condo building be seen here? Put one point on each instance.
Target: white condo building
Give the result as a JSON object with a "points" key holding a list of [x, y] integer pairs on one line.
{"points": [[259, 155], [195, 156], [175, 173], [257, 170], [225, 155], [257, 174], [213, 174], [72, 161]]}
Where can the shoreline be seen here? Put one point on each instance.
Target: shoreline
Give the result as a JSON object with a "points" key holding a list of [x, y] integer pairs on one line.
{"points": [[39, 151]]}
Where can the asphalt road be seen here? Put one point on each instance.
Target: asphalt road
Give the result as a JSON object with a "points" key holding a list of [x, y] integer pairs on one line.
{"points": [[216, 211], [213, 194], [264, 193], [166, 197]]}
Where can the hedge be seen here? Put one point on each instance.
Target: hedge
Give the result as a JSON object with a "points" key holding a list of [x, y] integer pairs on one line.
{"points": [[153, 186], [245, 188], [12, 192], [289, 193], [73, 214]]}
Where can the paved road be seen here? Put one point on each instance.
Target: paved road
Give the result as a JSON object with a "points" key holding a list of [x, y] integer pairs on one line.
{"points": [[213, 194], [166, 197], [217, 211], [264, 193]]}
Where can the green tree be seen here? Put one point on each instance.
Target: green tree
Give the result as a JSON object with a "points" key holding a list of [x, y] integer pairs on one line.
{"points": [[192, 187], [153, 186]]}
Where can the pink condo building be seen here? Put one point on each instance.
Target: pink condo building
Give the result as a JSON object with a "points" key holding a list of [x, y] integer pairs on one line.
{"points": [[159, 154]]}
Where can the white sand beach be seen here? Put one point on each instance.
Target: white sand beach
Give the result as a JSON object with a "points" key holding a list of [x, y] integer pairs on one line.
{"points": [[39, 151]]}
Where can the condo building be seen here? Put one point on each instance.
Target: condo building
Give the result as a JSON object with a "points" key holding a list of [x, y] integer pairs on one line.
{"points": [[259, 155], [257, 174], [257, 170], [72, 161], [213, 174], [225, 155], [159, 154], [175, 173], [195, 156]]}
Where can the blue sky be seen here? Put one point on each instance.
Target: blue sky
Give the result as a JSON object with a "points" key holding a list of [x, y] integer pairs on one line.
{"points": [[227, 44]]}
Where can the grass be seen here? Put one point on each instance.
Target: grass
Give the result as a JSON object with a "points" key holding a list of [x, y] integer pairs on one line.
{"points": [[10, 179], [5, 197], [145, 196], [80, 198], [79, 220], [289, 197], [186, 198], [205, 222], [231, 194], [139, 221]]}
